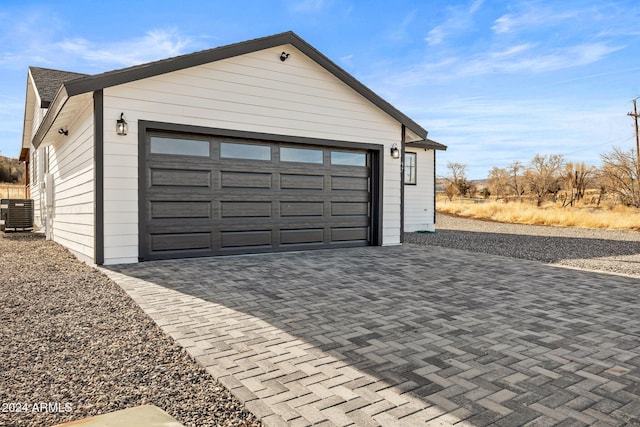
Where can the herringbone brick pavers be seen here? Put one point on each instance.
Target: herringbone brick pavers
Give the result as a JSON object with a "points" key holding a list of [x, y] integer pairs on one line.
{"points": [[406, 335]]}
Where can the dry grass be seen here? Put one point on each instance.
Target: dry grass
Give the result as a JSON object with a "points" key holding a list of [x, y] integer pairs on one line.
{"points": [[618, 217]]}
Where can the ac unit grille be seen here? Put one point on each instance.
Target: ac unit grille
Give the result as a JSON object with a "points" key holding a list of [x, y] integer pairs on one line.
{"points": [[16, 214]]}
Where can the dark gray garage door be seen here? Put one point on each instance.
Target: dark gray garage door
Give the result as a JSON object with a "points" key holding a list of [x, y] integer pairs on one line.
{"points": [[205, 195]]}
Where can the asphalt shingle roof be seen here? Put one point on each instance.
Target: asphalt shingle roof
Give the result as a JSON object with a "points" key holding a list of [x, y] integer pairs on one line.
{"points": [[48, 82]]}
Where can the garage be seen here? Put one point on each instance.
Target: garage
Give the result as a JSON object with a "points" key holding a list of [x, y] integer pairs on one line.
{"points": [[265, 145], [206, 195]]}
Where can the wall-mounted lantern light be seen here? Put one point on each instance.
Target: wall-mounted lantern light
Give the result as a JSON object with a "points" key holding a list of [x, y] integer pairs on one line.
{"points": [[284, 56], [121, 125], [63, 131], [395, 151]]}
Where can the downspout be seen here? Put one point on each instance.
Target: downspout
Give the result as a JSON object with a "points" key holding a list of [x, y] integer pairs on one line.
{"points": [[27, 180], [402, 142], [434, 187]]}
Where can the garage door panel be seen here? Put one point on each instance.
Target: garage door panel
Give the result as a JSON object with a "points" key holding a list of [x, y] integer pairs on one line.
{"points": [[180, 210], [291, 209], [350, 208], [349, 183], [350, 221], [180, 178], [241, 180], [245, 209], [235, 239], [173, 226], [301, 182], [347, 197], [341, 234], [180, 241], [303, 236]]}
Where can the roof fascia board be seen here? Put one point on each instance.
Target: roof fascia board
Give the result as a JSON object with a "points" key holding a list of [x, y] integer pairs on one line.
{"points": [[56, 106], [27, 121]]}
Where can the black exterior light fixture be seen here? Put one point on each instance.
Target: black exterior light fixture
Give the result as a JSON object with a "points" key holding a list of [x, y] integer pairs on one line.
{"points": [[121, 125], [63, 131], [284, 56], [395, 151]]}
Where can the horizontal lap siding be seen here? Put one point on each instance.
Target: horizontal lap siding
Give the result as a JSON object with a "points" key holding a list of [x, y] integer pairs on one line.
{"points": [[418, 205], [254, 92], [71, 163]]}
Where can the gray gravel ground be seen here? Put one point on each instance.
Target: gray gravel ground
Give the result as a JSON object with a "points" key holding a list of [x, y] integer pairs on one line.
{"points": [[71, 338], [610, 251]]}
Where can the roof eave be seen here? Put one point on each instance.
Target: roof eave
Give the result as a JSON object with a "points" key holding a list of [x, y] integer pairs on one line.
{"points": [[54, 110], [427, 144]]}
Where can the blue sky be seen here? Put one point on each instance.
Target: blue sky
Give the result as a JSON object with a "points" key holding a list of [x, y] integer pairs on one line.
{"points": [[495, 81]]}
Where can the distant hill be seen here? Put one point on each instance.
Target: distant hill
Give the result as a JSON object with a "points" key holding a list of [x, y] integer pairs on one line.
{"points": [[11, 170]]}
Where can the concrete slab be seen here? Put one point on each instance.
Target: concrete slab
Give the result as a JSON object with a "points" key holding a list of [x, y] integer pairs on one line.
{"points": [[140, 416]]}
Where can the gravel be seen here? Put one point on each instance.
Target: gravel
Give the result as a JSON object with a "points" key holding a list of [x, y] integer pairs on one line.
{"points": [[72, 340], [612, 251]]}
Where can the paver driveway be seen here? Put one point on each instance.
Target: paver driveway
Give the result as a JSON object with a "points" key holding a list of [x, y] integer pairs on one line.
{"points": [[404, 335]]}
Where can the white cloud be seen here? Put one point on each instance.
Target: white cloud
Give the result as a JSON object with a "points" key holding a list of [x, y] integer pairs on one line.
{"points": [[307, 6], [504, 24], [511, 51], [347, 60], [460, 19], [156, 44], [475, 6], [400, 31], [534, 16], [525, 58], [435, 36]]}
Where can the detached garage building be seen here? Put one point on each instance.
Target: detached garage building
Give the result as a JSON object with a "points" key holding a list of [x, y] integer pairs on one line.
{"points": [[260, 146]]}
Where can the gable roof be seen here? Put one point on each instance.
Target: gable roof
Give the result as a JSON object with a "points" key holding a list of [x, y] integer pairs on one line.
{"points": [[48, 81], [90, 83]]}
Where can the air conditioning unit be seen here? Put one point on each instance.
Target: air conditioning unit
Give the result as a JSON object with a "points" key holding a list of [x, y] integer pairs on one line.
{"points": [[16, 214]]}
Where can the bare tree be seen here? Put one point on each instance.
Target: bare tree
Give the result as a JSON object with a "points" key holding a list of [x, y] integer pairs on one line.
{"points": [[543, 175], [516, 178], [458, 184], [498, 182], [620, 174], [575, 179]]}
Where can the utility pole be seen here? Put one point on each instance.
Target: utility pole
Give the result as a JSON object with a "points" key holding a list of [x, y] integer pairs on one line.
{"points": [[635, 116]]}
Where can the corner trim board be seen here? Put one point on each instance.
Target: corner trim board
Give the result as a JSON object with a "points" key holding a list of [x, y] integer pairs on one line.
{"points": [[98, 158]]}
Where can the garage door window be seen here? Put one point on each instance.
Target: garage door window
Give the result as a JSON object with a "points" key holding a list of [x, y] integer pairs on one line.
{"points": [[179, 147], [302, 155], [230, 150], [345, 158]]}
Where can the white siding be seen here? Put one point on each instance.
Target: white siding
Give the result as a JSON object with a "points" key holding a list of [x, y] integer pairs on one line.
{"points": [[71, 163], [418, 199], [255, 92]]}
